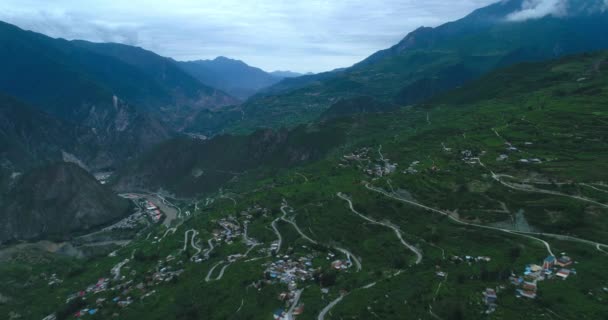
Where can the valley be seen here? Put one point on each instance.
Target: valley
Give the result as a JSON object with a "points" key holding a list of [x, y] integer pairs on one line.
{"points": [[459, 174], [358, 233]]}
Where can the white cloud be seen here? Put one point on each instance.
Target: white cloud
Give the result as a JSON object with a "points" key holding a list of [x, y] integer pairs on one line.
{"points": [[534, 9], [300, 35]]}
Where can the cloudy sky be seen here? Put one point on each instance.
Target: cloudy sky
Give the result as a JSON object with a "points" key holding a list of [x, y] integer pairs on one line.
{"points": [[298, 35]]}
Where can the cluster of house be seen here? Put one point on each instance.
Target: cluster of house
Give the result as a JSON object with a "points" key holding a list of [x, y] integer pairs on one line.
{"points": [[552, 267], [490, 299], [124, 288], [470, 157], [289, 298], [290, 270], [378, 168], [412, 168], [249, 212], [509, 147], [103, 177], [361, 155], [381, 169], [153, 211], [100, 286], [338, 264], [165, 272], [532, 160], [281, 314], [229, 232], [53, 279], [128, 223], [470, 259]]}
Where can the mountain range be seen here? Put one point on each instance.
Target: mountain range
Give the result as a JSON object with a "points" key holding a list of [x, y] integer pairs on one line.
{"points": [[429, 61], [407, 184], [234, 76]]}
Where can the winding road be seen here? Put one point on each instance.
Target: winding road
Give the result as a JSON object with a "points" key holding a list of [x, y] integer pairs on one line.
{"points": [[526, 234], [274, 227], [208, 277], [347, 253], [328, 308], [388, 225], [294, 304]]}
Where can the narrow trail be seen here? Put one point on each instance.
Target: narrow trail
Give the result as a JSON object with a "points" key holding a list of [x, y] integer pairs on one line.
{"points": [[195, 245], [208, 277], [593, 187], [529, 188], [451, 217], [294, 304], [347, 253], [388, 225], [332, 304], [186, 233], [290, 221], [116, 269], [219, 277], [380, 153], [350, 255], [211, 247], [532, 189], [172, 230], [241, 306], [328, 308], [303, 176], [229, 198], [276, 231]]}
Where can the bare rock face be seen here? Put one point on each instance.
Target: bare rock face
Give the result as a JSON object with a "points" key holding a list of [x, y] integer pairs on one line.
{"points": [[55, 201]]}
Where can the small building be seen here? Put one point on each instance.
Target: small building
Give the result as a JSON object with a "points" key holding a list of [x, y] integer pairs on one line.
{"points": [[563, 273], [564, 261], [502, 157], [490, 296], [527, 294], [516, 280], [549, 262], [535, 268], [529, 286]]}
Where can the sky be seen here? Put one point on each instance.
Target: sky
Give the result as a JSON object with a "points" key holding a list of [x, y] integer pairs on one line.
{"points": [[296, 35]]}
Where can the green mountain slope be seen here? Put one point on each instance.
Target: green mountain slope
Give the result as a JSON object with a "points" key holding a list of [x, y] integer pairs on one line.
{"points": [[189, 167], [31, 138], [73, 80], [55, 202], [432, 204], [430, 61]]}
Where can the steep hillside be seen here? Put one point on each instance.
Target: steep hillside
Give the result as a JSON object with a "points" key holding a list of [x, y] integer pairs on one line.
{"points": [[170, 87], [232, 76], [55, 202], [188, 167], [357, 105], [76, 80], [430, 61], [108, 138], [426, 211]]}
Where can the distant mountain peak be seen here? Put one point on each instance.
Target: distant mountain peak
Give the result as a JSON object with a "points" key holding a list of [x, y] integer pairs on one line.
{"points": [[233, 76]]}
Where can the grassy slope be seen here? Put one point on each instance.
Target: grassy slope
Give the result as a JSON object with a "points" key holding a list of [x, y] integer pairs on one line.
{"points": [[544, 104], [445, 58]]}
